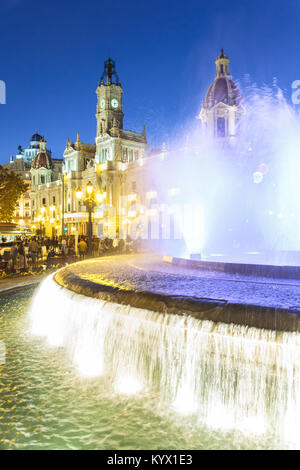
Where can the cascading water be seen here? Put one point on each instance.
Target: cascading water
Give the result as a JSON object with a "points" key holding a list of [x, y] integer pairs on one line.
{"points": [[227, 377]]}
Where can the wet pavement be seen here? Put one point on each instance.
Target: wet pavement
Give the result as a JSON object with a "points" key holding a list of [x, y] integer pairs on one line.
{"points": [[17, 282]]}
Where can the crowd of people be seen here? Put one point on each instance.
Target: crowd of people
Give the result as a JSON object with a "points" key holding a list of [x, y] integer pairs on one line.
{"points": [[32, 253]]}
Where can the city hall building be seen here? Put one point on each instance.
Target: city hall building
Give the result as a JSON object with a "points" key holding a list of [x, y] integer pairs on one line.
{"points": [[112, 182]]}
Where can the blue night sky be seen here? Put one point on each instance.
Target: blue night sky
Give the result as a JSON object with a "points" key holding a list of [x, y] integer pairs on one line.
{"points": [[52, 56]]}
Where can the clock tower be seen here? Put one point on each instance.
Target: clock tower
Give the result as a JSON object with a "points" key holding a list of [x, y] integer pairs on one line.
{"points": [[109, 104]]}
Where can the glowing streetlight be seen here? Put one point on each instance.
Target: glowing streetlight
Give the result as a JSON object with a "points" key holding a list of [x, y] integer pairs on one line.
{"points": [[89, 188], [79, 194]]}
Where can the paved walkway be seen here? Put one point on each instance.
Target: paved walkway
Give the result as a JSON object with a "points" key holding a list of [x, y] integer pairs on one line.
{"points": [[10, 283]]}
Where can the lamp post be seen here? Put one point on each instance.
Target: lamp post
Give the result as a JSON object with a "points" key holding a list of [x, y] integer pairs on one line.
{"points": [[52, 220], [90, 203], [62, 205]]}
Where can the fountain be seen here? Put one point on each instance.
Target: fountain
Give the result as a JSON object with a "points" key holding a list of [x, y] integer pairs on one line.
{"points": [[195, 355], [237, 198], [230, 363]]}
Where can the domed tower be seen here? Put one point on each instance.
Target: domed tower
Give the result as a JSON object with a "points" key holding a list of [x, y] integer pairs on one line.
{"points": [[35, 141], [29, 153], [222, 107], [41, 168]]}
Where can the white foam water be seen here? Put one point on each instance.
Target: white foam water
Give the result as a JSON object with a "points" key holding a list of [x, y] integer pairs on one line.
{"points": [[229, 377]]}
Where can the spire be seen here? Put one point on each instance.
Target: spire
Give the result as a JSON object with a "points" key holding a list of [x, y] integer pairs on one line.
{"points": [[78, 138], [109, 72], [222, 62], [43, 144]]}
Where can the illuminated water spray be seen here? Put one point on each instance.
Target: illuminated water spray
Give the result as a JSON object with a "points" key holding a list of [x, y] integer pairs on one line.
{"points": [[241, 163]]}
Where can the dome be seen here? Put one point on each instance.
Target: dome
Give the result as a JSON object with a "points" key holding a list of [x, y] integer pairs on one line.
{"points": [[36, 138], [42, 160], [223, 90]]}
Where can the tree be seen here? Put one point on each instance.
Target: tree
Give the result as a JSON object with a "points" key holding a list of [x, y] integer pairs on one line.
{"points": [[11, 188]]}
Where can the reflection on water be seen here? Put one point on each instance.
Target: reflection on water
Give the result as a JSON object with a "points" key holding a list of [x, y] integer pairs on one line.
{"points": [[145, 381]]}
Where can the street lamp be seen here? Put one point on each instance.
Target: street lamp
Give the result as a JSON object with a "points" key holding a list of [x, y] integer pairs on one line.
{"points": [[79, 194], [90, 203], [89, 188]]}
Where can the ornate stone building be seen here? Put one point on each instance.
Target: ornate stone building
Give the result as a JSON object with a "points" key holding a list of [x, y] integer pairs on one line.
{"points": [[21, 165], [110, 165], [127, 195], [45, 191], [222, 107]]}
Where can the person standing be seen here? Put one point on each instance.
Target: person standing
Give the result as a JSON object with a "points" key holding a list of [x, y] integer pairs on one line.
{"points": [[33, 251], [14, 255], [21, 251], [82, 248], [47, 244]]}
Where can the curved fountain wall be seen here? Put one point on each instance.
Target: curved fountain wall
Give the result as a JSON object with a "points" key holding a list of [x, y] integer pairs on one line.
{"points": [[227, 376], [271, 318]]}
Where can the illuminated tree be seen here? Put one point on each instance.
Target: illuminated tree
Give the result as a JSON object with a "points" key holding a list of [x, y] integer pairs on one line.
{"points": [[11, 188]]}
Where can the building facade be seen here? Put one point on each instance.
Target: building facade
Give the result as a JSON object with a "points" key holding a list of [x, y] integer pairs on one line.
{"points": [[21, 165], [126, 197], [222, 108], [110, 166]]}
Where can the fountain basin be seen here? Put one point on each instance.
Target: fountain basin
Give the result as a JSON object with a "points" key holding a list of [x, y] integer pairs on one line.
{"points": [[148, 283], [147, 328], [247, 269]]}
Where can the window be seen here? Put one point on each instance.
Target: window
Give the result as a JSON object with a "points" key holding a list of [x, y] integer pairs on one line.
{"points": [[107, 155], [125, 155], [33, 180], [44, 201], [221, 127], [53, 199], [133, 185], [42, 179]]}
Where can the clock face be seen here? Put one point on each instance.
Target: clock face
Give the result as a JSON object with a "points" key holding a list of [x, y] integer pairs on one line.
{"points": [[114, 103], [102, 103]]}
